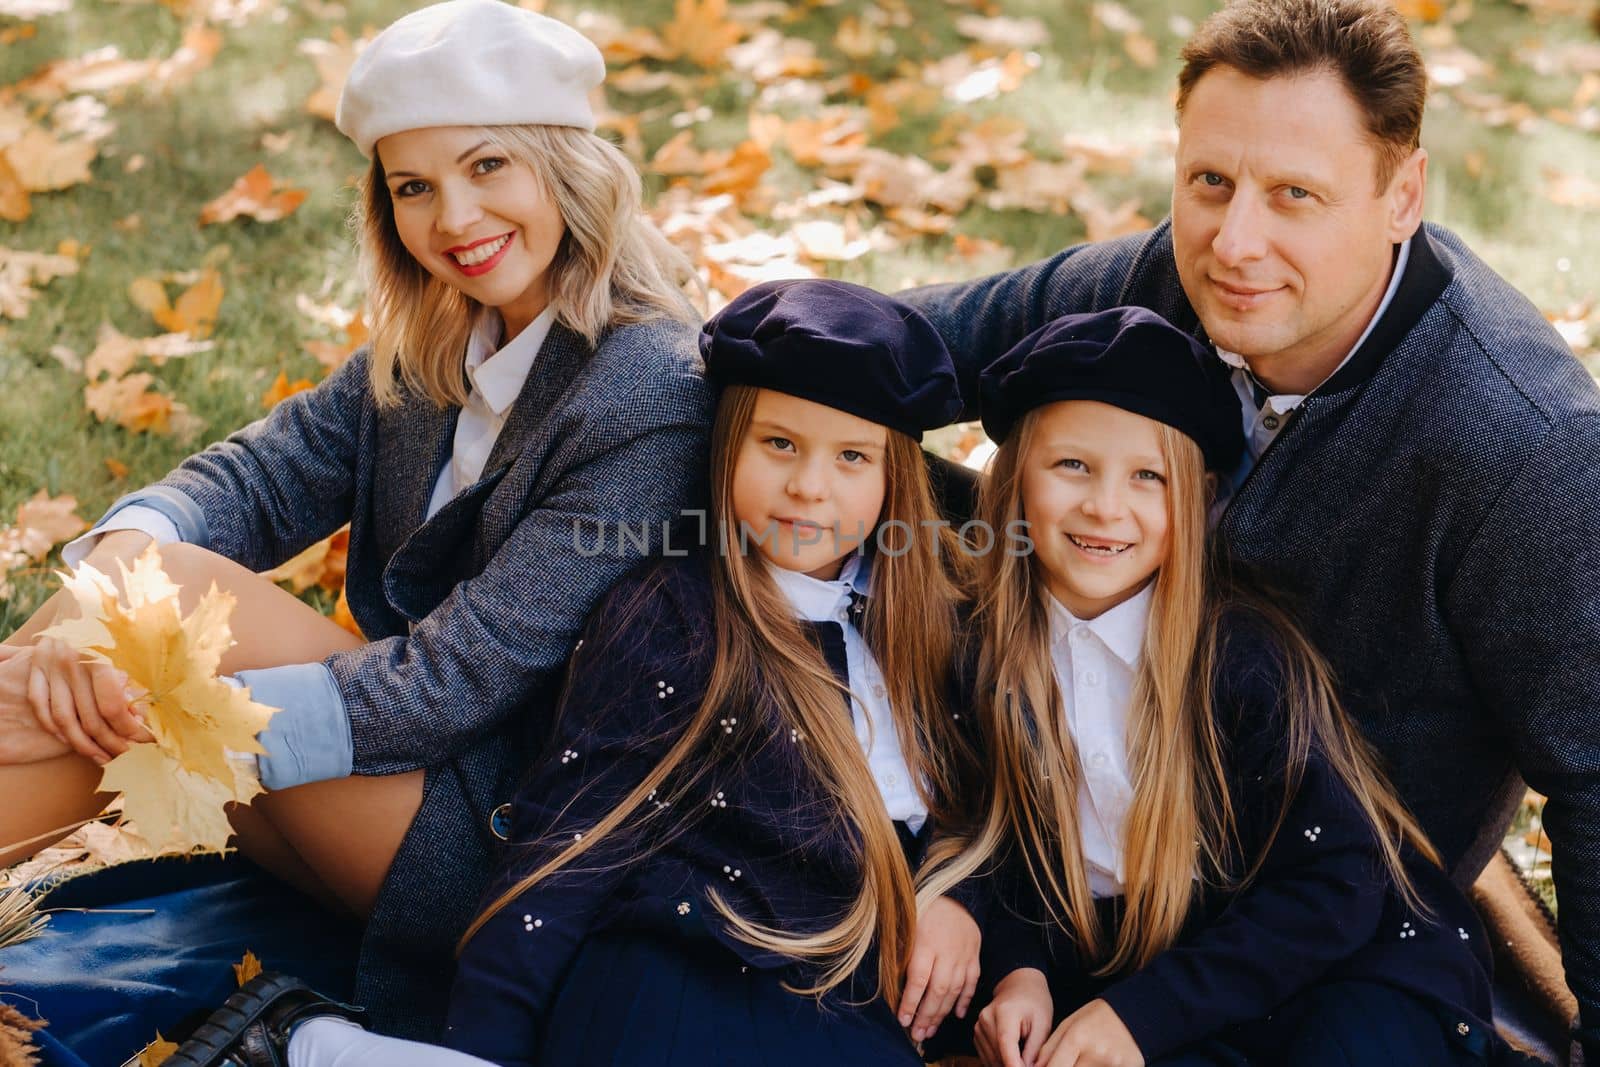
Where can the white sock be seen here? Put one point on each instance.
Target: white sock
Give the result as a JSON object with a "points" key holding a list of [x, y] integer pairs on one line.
{"points": [[329, 1041]]}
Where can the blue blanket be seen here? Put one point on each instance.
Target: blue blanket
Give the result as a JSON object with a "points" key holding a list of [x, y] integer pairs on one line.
{"points": [[158, 953]]}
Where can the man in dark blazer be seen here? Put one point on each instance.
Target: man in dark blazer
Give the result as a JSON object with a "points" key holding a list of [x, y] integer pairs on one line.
{"points": [[1423, 477]]}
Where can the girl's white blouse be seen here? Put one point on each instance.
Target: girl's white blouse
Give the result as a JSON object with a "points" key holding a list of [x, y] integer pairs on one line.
{"points": [[819, 601], [1094, 663]]}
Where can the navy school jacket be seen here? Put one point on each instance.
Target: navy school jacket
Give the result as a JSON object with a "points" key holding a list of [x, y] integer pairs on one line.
{"points": [[1395, 513], [1321, 908], [754, 824], [471, 613]]}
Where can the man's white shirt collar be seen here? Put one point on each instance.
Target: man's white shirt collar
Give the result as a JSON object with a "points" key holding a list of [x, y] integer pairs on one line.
{"points": [[1283, 403]]}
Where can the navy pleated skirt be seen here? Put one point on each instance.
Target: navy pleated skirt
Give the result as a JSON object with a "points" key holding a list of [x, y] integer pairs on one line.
{"points": [[636, 999]]}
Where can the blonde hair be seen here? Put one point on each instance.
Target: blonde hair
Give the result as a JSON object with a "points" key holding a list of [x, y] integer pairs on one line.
{"points": [[1181, 824], [612, 267], [766, 659]]}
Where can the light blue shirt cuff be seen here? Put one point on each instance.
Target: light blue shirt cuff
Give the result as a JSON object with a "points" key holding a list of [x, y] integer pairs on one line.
{"points": [[179, 508], [147, 520], [309, 739]]}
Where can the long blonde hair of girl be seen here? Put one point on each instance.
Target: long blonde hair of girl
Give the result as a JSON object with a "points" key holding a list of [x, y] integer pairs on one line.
{"points": [[765, 658], [612, 267], [1181, 823]]}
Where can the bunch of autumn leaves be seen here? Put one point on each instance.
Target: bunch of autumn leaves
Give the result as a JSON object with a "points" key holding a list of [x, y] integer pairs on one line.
{"points": [[176, 788]]}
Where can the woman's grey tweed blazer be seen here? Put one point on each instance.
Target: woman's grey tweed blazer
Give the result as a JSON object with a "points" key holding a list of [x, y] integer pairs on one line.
{"points": [[472, 614]]}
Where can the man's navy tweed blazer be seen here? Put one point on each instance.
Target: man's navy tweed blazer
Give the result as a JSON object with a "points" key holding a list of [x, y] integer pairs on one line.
{"points": [[1433, 514], [471, 615]]}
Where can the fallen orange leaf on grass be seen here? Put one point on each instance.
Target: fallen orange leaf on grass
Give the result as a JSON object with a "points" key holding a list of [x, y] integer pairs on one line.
{"points": [[44, 521], [1423, 10], [258, 195], [701, 32], [130, 404], [115, 353], [333, 60], [322, 564], [282, 389], [15, 203], [332, 354], [194, 312], [42, 163], [21, 271], [342, 616]]}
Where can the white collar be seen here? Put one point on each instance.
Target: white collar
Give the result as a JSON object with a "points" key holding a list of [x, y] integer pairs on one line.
{"points": [[1121, 629], [1285, 402], [498, 376], [816, 600]]}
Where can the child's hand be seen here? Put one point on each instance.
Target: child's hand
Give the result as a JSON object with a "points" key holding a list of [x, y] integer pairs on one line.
{"points": [[943, 970], [1019, 1015], [84, 705], [1092, 1036]]}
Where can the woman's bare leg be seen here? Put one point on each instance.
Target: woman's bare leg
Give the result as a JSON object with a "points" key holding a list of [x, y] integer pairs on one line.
{"points": [[40, 803], [347, 830], [340, 836]]}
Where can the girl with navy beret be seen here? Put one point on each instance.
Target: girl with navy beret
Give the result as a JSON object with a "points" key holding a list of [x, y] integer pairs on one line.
{"points": [[1199, 861], [713, 863], [533, 363], [758, 738]]}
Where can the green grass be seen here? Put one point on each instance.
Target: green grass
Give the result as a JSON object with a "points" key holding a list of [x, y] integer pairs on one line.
{"points": [[197, 139]]}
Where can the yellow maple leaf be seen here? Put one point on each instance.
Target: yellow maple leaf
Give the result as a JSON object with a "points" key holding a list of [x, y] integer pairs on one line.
{"points": [[175, 809], [196, 717], [246, 968], [156, 1052]]}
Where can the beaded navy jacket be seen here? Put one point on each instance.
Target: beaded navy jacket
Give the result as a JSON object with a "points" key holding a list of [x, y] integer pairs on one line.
{"points": [[470, 614], [1321, 907], [747, 819], [1432, 513]]}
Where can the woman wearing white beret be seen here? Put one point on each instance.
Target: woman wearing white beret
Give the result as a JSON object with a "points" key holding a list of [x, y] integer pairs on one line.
{"points": [[533, 372]]}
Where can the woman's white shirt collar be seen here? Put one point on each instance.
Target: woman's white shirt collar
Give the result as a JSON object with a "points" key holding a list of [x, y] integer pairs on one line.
{"points": [[499, 372]]}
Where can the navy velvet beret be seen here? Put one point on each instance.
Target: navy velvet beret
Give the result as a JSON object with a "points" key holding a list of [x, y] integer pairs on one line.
{"points": [[1128, 357], [838, 344]]}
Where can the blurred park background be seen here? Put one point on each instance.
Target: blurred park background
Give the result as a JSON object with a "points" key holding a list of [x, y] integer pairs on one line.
{"points": [[174, 254]]}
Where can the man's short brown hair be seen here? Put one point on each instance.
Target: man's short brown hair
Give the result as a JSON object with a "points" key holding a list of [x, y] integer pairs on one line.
{"points": [[1364, 43]]}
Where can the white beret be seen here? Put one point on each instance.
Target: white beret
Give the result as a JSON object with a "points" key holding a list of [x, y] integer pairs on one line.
{"points": [[469, 63]]}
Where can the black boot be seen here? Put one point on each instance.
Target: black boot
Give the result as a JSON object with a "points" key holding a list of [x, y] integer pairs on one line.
{"points": [[252, 1027]]}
